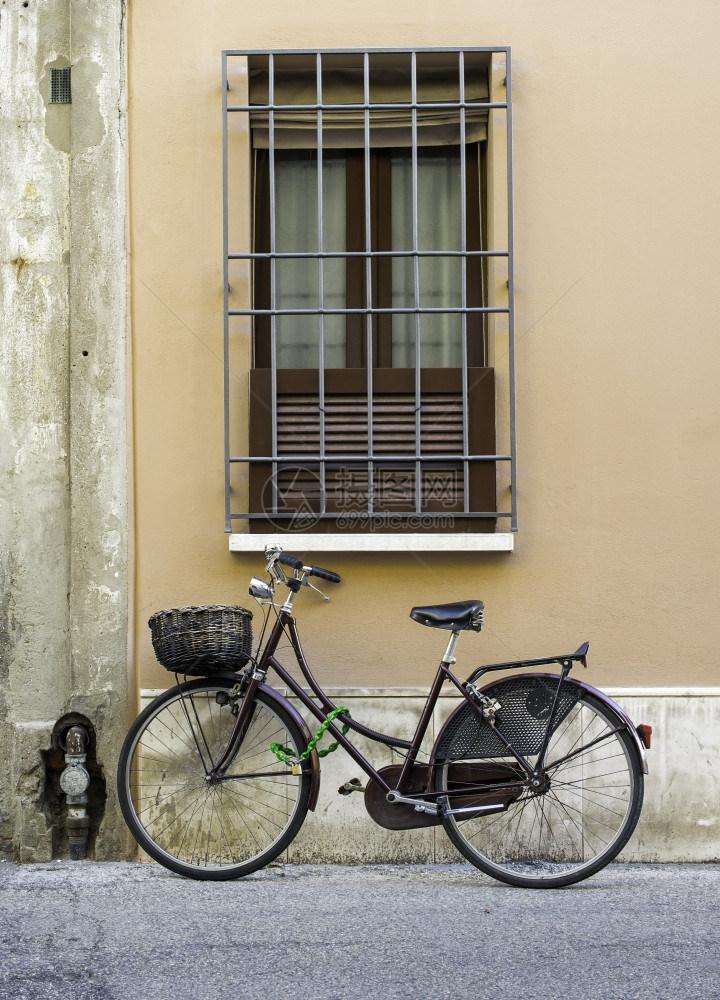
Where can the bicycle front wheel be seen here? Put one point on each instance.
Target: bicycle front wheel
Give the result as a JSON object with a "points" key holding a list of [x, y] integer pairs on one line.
{"points": [[203, 829], [581, 816]]}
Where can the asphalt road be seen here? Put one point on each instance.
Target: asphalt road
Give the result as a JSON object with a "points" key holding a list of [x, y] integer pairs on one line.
{"points": [[91, 931]]}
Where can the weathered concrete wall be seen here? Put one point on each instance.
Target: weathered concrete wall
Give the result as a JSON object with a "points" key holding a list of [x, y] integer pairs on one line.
{"points": [[63, 465], [681, 809]]}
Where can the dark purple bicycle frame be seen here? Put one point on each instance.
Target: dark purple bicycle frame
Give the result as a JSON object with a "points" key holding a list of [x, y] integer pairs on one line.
{"points": [[286, 624]]}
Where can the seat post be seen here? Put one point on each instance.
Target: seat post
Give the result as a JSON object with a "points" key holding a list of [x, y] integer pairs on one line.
{"points": [[449, 656]]}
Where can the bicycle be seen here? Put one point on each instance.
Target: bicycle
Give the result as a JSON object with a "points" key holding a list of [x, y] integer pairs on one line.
{"points": [[536, 777]]}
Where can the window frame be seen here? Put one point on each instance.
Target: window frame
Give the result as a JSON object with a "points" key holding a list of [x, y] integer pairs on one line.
{"points": [[474, 518]]}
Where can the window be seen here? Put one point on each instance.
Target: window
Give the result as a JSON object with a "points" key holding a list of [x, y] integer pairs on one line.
{"points": [[371, 283]]}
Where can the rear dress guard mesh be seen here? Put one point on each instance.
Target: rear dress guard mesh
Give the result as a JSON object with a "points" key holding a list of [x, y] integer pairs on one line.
{"points": [[525, 702]]}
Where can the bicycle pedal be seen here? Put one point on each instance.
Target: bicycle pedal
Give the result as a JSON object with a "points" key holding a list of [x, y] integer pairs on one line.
{"points": [[354, 785]]}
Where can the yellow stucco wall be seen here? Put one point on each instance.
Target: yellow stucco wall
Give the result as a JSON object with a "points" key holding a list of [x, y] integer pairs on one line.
{"points": [[616, 235]]}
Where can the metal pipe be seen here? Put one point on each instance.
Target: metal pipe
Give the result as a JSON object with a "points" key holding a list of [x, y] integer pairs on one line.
{"points": [[416, 281], [273, 311], [361, 516], [370, 294], [370, 311], [511, 292], [321, 287], [226, 295], [358, 460], [324, 255], [367, 106]]}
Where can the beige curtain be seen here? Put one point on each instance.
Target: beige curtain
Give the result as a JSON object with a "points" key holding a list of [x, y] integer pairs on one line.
{"points": [[297, 280], [344, 128], [439, 278]]}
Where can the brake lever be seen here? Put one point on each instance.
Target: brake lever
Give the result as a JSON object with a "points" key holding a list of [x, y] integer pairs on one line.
{"points": [[317, 590]]}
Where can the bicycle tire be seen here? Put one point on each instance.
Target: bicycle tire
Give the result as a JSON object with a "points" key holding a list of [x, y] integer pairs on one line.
{"points": [[200, 829], [572, 828]]}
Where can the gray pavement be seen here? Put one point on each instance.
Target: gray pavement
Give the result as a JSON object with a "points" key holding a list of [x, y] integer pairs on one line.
{"points": [[92, 931]]}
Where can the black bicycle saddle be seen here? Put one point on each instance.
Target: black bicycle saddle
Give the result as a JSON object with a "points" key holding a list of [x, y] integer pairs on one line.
{"points": [[458, 617]]}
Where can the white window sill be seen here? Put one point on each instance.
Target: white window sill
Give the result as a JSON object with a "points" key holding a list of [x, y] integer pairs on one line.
{"points": [[371, 542]]}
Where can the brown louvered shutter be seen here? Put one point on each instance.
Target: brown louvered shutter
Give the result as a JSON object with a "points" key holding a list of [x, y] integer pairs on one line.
{"points": [[395, 446], [346, 424]]}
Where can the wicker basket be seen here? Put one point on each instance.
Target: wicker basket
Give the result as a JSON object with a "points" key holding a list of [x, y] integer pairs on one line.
{"points": [[200, 641]]}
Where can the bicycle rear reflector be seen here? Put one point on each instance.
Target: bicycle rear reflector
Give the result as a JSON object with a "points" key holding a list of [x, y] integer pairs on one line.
{"points": [[645, 734]]}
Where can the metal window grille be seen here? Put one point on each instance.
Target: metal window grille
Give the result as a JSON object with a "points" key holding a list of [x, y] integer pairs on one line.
{"points": [[60, 86], [316, 449]]}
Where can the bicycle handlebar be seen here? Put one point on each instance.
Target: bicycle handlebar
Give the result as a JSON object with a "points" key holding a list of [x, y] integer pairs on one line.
{"points": [[288, 560], [323, 574]]}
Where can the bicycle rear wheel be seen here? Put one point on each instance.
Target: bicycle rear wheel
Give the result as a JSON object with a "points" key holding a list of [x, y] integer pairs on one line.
{"points": [[579, 819], [201, 829]]}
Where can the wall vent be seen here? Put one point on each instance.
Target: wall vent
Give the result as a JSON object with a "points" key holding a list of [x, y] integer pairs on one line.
{"points": [[60, 86]]}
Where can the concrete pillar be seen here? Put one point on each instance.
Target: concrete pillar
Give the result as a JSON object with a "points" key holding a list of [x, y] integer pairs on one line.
{"points": [[63, 444]]}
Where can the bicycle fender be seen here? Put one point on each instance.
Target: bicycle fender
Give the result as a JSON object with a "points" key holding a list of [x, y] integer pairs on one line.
{"points": [[632, 728], [307, 736], [606, 700]]}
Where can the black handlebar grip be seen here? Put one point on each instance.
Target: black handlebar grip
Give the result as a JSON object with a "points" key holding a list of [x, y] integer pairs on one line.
{"points": [[324, 574], [291, 561]]}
